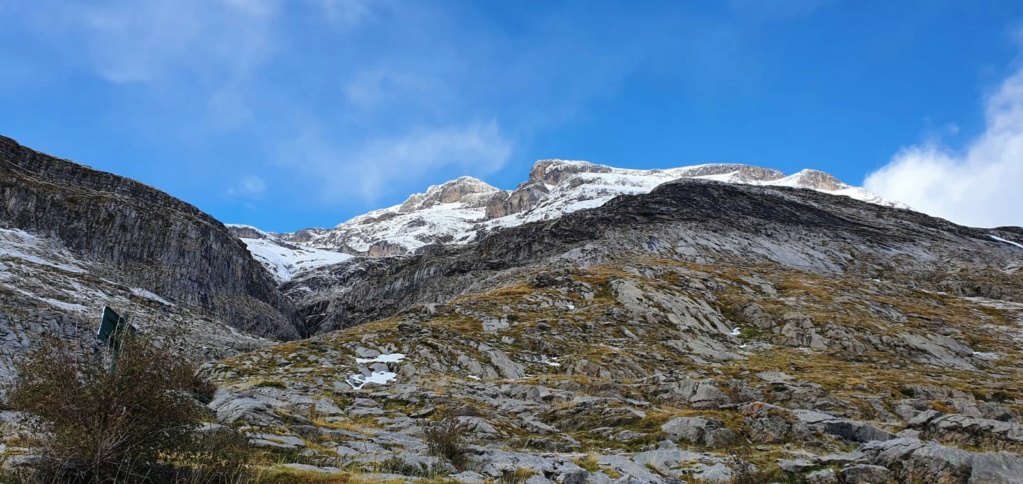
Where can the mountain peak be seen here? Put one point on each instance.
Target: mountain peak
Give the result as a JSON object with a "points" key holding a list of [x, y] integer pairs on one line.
{"points": [[465, 189], [553, 171], [814, 179], [457, 211]]}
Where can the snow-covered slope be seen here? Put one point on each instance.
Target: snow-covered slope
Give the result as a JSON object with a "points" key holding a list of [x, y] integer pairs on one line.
{"points": [[458, 211], [280, 258]]}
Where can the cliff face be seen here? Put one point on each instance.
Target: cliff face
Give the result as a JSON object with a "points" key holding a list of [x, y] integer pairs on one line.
{"points": [[142, 237]]}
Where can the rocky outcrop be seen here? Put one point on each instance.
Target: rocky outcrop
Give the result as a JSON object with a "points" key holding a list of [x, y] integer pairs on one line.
{"points": [[818, 180], [550, 173], [472, 191], [700, 431], [143, 238], [524, 198], [746, 173], [965, 431], [553, 172], [912, 460], [246, 232]]}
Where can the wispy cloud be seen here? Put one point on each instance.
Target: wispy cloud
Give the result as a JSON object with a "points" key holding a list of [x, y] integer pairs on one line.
{"points": [[134, 42], [248, 186], [394, 165], [978, 185], [347, 13]]}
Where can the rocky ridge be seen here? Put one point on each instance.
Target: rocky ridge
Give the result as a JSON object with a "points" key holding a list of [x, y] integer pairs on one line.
{"points": [[462, 210]]}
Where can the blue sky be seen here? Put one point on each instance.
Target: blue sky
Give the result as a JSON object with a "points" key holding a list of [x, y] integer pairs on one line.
{"points": [[287, 114]]}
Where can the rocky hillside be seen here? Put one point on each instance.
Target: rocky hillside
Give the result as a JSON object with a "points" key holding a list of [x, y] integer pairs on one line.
{"points": [[706, 222], [703, 332], [74, 239]]}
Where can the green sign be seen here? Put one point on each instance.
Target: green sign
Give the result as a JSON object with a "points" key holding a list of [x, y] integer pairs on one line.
{"points": [[112, 328]]}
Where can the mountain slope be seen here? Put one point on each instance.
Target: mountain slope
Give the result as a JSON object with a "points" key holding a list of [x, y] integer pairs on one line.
{"points": [[462, 210], [131, 235], [697, 220], [695, 333]]}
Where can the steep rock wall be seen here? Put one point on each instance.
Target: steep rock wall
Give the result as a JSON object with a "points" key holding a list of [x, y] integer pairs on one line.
{"points": [[147, 238]]}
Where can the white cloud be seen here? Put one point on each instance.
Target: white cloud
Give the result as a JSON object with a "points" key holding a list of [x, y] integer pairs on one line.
{"points": [[389, 166], [981, 185], [128, 41], [347, 13], [250, 186]]}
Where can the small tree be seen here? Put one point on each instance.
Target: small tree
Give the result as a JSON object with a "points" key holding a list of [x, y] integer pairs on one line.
{"points": [[101, 422]]}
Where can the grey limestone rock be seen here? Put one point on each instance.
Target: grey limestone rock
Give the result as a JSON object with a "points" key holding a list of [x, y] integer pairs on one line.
{"points": [[469, 477], [823, 476], [717, 473], [795, 466], [845, 429], [866, 474], [970, 431], [260, 439], [233, 407], [772, 424], [699, 431], [928, 461]]}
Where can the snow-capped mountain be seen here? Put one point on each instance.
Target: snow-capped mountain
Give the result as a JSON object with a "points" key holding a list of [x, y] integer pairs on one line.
{"points": [[460, 210]]}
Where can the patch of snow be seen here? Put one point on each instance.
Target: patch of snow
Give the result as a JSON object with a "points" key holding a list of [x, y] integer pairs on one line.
{"points": [[550, 361], [392, 358], [378, 377], [65, 305], [1006, 241], [135, 291], [18, 244], [284, 262], [986, 356]]}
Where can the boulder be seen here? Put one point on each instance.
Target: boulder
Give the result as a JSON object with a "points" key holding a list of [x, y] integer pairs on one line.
{"points": [[233, 407], [707, 432]]}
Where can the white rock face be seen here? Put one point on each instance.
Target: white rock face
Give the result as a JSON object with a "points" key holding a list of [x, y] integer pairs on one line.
{"points": [[459, 211]]}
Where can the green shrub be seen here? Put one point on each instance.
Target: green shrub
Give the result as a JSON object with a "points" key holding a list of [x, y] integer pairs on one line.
{"points": [[105, 423]]}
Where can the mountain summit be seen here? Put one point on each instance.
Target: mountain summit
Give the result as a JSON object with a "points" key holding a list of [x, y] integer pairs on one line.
{"points": [[461, 210]]}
